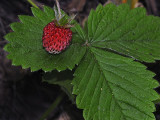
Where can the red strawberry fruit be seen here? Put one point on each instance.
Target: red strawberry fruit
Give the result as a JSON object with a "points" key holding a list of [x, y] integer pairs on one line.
{"points": [[57, 35], [56, 38]]}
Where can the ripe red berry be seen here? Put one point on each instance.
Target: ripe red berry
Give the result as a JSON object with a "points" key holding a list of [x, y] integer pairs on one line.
{"points": [[56, 38]]}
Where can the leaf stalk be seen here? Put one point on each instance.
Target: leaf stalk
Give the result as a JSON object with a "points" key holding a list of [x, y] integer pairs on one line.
{"points": [[53, 106]]}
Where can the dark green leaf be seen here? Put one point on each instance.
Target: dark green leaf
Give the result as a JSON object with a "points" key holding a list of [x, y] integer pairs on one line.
{"points": [[112, 87], [25, 47], [128, 32]]}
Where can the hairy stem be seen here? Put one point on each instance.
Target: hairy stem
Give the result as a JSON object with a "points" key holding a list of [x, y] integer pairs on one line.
{"points": [[59, 10]]}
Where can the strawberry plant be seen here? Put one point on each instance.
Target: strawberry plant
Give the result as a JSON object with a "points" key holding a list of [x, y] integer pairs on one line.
{"points": [[110, 82]]}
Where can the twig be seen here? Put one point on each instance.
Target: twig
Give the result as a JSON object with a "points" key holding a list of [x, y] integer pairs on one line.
{"points": [[32, 3], [53, 106]]}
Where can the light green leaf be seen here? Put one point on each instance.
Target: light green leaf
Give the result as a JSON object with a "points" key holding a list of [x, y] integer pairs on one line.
{"points": [[128, 32], [25, 44], [112, 87]]}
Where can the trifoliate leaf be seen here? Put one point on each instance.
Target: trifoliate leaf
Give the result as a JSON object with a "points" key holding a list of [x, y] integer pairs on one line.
{"points": [[112, 87], [25, 43], [125, 31]]}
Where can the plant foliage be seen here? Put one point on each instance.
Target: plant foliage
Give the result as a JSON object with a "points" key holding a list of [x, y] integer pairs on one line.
{"points": [[108, 82], [113, 87], [129, 32], [26, 48]]}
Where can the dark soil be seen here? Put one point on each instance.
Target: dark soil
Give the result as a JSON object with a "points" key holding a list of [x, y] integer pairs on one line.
{"points": [[22, 94]]}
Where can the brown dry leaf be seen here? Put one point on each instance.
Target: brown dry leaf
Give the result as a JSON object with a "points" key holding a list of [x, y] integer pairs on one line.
{"points": [[134, 3]]}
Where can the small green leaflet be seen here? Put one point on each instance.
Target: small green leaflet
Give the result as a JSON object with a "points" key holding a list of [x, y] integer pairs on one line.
{"points": [[25, 44]]}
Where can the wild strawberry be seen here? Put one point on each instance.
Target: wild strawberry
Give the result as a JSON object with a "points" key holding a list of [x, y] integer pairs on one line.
{"points": [[56, 38], [57, 34]]}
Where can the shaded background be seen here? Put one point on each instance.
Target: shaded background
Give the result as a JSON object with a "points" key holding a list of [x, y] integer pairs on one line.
{"points": [[22, 94]]}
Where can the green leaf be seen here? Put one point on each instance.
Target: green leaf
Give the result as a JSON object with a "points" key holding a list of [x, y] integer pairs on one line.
{"points": [[108, 85], [25, 43], [63, 79], [112, 87], [128, 32], [157, 101]]}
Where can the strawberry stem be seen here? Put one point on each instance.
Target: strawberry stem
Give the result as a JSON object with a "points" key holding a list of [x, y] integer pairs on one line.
{"points": [[59, 10]]}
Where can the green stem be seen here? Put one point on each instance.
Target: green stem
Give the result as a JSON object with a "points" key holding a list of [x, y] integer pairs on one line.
{"points": [[53, 106], [32, 3]]}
